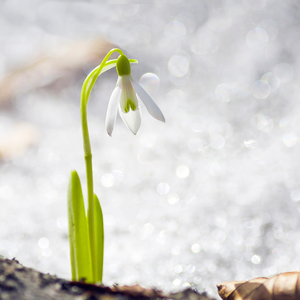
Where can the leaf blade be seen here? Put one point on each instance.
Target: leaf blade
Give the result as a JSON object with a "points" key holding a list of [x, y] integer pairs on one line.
{"points": [[78, 232], [99, 239]]}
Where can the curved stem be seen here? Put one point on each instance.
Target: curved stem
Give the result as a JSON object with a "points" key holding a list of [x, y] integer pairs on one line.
{"points": [[85, 93]]}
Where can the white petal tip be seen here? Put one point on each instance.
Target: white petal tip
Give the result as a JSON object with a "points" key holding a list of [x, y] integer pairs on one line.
{"points": [[134, 130], [157, 114], [151, 106], [109, 131], [132, 119]]}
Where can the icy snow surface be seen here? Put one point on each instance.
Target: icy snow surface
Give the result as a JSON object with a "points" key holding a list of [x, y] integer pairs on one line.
{"points": [[211, 195]]}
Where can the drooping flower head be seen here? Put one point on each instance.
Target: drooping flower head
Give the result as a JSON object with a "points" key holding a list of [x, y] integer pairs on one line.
{"points": [[125, 98]]}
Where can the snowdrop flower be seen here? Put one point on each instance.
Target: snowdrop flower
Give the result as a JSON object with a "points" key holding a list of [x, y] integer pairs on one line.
{"points": [[125, 98], [86, 231]]}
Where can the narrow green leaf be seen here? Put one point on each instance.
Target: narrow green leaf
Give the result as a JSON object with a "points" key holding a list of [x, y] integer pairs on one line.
{"points": [[99, 238], [78, 232], [71, 232]]}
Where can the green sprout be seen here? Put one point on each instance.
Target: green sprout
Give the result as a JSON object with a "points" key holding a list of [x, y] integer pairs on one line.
{"points": [[86, 230]]}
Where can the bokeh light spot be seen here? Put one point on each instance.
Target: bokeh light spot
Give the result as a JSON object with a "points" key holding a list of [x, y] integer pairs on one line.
{"points": [[173, 199], [204, 43], [148, 228], [163, 188], [264, 123], [176, 282], [284, 72], [108, 180], [182, 171], [224, 92], [233, 7], [256, 259], [150, 82], [250, 144], [178, 65], [196, 248], [43, 243], [272, 80], [148, 140], [175, 30], [290, 139], [295, 195], [219, 21], [256, 5], [257, 38], [261, 89], [270, 27], [217, 141]]}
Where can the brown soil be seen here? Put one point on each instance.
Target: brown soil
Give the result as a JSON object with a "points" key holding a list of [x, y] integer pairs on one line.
{"points": [[18, 282]]}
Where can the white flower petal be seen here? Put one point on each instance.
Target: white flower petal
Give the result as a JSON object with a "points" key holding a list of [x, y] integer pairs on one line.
{"points": [[151, 106], [128, 93], [132, 119], [113, 107]]}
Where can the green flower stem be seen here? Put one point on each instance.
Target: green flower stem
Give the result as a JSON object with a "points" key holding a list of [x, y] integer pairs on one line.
{"points": [[85, 93]]}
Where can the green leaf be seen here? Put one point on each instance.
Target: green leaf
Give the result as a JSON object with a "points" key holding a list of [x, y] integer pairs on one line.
{"points": [[72, 242], [99, 238], [78, 232]]}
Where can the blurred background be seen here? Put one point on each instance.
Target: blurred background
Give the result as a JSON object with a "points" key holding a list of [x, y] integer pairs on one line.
{"points": [[213, 194]]}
